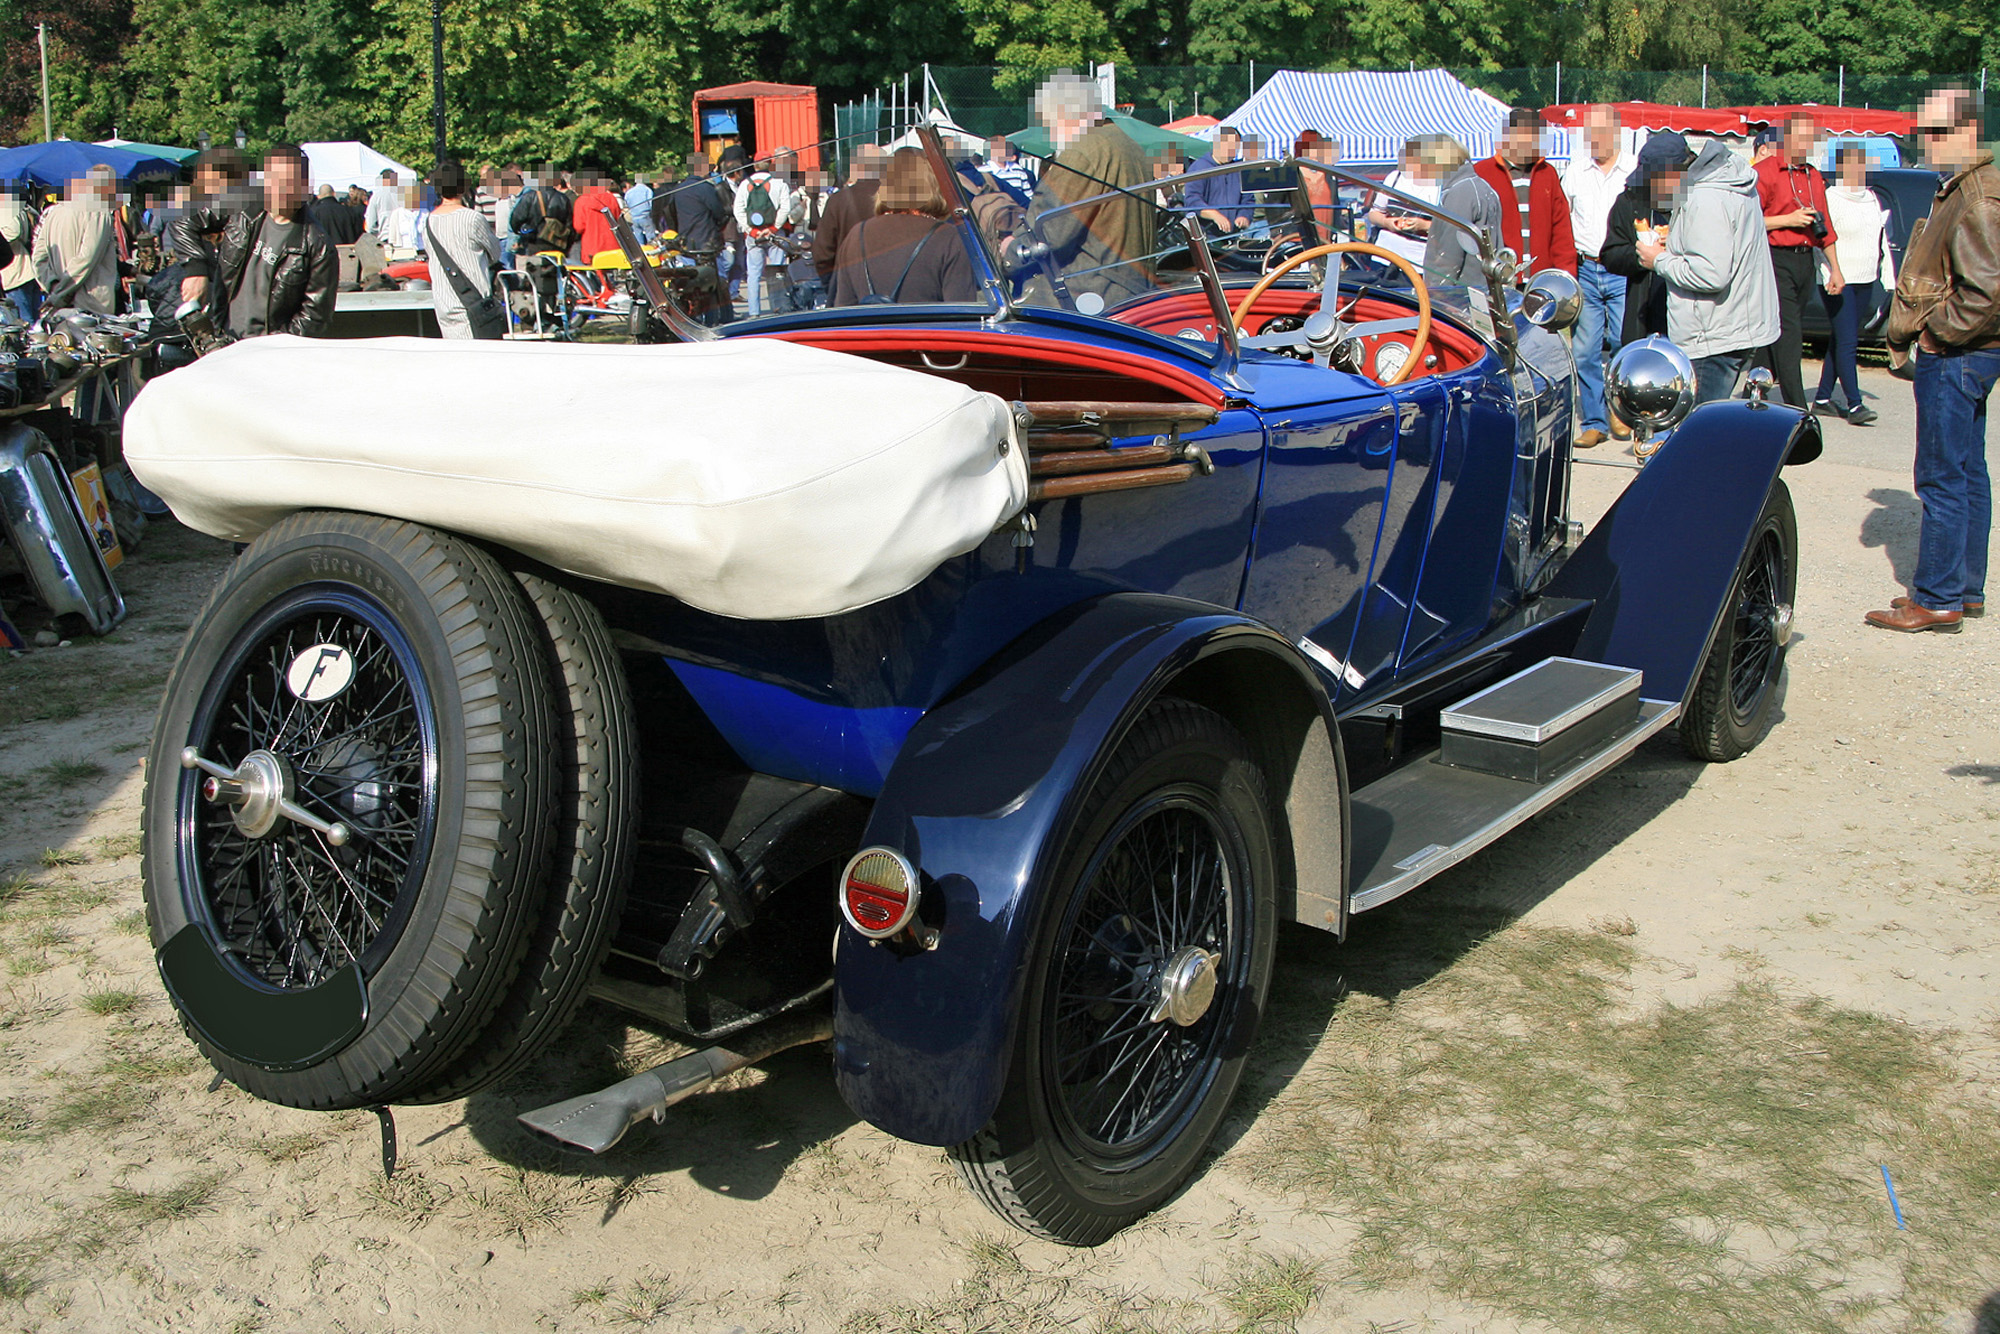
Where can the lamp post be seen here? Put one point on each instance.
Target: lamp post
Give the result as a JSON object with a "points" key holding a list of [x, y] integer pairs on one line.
{"points": [[437, 77], [48, 124]]}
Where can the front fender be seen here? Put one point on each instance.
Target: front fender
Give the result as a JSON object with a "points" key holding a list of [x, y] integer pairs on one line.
{"points": [[980, 799], [1659, 566]]}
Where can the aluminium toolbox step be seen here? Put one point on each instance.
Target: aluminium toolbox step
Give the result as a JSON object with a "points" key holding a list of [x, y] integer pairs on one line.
{"points": [[1538, 722], [1428, 816]]}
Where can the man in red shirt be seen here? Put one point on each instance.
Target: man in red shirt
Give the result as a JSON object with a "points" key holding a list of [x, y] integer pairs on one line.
{"points": [[593, 212], [1793, 195], [1534, 211]]}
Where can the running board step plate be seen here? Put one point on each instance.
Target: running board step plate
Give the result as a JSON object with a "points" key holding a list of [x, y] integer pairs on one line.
{"points": [[1427, 816], [1540, 721]]}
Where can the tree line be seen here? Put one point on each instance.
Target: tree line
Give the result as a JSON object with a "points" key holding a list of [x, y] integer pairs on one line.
{"points": [[608, 83]]}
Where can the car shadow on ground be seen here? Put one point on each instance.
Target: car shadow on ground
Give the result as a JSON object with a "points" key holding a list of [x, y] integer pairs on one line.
{"points": [[1893, 526], [1407, 942], [736, 1140]]}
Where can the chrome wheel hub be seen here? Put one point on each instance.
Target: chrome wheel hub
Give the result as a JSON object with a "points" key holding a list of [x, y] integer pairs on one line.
{"points": [[259, 792], [1781, 624], [1185, 987]]}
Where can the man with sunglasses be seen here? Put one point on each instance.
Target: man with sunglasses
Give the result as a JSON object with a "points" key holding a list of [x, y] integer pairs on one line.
{"points": [[1947, 305]]}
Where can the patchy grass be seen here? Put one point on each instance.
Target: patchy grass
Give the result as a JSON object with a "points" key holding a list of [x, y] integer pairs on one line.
{"points": [[113, 847], [183, 1199], [130, 923], [1512, 1131], [107, 1003], [55, 687], [1270, 1294], [644, 1301], [16, 886], [1002, 1292], [51, 858], [68, 773], [20, 1008], [115, 1094], [287, 1148]]}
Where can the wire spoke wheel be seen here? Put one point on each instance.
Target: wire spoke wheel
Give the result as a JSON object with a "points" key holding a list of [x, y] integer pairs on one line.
{"points": [[1124, 1071], [1754, 657], [1146, 978], [289, 907], [1736, 692]]}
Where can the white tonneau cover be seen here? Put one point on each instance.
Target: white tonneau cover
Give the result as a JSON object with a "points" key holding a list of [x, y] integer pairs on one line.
{"points": [[748, 477]]}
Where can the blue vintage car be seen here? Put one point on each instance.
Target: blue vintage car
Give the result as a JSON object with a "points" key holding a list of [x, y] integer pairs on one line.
{"points": [[1288, 616]]}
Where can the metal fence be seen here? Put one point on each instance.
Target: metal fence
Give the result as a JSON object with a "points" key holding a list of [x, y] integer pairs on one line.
{"points": [[991, 99]]}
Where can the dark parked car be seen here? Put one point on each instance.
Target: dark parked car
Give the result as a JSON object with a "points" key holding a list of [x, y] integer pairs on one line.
{"points": [[1250, 601], [1907, 193]]}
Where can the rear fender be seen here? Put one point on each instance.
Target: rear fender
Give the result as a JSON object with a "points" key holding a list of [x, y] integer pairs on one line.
{"points": [[981, 798], [1659, 566]]}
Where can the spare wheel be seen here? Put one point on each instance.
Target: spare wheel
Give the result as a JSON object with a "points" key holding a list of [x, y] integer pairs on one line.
{"points": [[349, 807]]}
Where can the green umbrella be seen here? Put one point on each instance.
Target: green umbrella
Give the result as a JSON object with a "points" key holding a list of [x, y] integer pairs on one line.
{"points": [[149, 150], [1152, 138]]}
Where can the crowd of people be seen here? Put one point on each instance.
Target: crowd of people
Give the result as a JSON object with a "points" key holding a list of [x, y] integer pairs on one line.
{"points": [[1714, 252]]}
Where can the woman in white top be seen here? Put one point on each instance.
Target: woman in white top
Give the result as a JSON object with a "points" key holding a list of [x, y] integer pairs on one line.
{"points": [[1861, 225], [1397, 228], [461, 235]]}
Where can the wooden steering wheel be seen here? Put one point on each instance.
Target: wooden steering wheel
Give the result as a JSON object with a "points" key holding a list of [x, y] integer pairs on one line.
{"points": [[1331, 299]]}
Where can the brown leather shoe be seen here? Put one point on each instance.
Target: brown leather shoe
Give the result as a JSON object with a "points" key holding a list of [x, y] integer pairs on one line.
{"points": [[1973, 610], [1910, 618], [1591, 439]]}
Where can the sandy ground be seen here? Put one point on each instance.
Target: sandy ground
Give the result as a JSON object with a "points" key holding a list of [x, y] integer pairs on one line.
{"points": [[1852, 855]]}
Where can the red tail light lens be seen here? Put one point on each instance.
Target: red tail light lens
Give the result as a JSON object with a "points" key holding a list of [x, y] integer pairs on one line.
{"points": [[878, 893]]}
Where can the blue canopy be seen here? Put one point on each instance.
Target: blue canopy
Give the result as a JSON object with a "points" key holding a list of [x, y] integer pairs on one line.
{"points": [[60, 161], [1372, 115]]}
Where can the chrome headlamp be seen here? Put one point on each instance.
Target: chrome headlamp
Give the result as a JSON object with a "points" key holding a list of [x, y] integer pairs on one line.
{"points": [[1650, 386], [1553, 300]]}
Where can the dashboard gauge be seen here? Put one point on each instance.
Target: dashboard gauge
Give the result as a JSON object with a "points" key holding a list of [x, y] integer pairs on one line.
{"points": [[1389, 359], [1193, 335]]}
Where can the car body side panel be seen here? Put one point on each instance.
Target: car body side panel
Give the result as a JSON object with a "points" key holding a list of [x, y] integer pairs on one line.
{"points": [[980, 801], [1386, 609], [1659, 565], [1456, 589]]}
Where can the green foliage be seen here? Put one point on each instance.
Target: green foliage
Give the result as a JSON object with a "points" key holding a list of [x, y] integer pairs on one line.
{"points": [[609, 84]]}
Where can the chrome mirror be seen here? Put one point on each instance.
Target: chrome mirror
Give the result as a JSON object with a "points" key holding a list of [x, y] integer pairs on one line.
{"points": [[1651, 386], [1553, 300]]}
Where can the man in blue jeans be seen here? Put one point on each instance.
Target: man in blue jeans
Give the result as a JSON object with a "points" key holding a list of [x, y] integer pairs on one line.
{"points": [[1947, 304], [1593, 183]]}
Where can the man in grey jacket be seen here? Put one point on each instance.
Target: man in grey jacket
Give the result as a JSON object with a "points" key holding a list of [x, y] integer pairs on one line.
{"points": [[1722, 297], [1450, 256]]}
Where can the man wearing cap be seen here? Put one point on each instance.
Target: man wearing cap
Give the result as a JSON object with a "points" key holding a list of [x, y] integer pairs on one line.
{"points": [[1595, 179], [1792, 194], [1534, 217], [1947, 307]]}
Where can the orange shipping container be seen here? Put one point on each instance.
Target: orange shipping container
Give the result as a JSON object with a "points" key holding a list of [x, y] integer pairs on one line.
{"points": [[781, 115]]}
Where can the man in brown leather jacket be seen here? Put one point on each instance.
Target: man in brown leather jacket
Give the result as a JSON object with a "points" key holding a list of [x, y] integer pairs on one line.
{"points": [[1947, 303]]}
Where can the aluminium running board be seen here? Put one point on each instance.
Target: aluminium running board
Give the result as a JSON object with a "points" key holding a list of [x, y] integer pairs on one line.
{"points": [[597, 1121], [1426, 817]]}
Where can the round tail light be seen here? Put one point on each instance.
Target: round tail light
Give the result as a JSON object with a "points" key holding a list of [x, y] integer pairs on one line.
{"points": [[878, 893]]}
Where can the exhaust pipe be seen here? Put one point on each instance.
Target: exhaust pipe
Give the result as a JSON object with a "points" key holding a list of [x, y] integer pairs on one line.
{"points": [[596, 1121]]}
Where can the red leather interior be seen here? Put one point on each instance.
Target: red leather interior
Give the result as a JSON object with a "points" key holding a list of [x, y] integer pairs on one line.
{"points": [[1171, 312]]}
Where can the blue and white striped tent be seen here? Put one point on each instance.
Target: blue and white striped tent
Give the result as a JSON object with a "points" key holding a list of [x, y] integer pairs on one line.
{"points": [[1372, 115]]}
